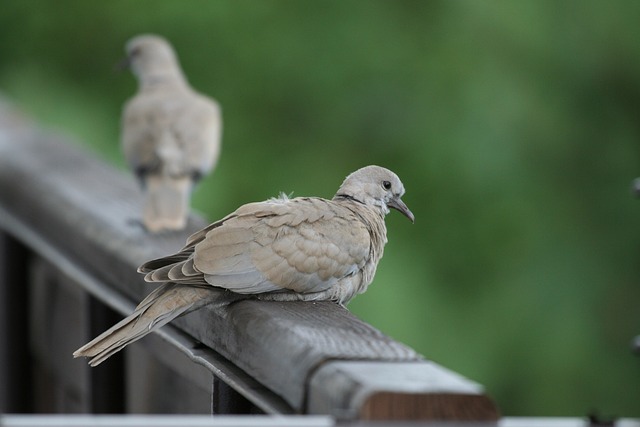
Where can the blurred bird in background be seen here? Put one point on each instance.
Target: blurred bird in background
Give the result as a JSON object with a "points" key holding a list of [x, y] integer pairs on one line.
{"points": [[170, 133]]}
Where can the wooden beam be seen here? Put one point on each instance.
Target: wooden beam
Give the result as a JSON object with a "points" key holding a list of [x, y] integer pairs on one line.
{"points": [[317, 356], [397, 390]]}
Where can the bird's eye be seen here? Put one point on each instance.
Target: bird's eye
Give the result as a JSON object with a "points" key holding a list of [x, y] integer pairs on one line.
{"points": [[386, 185]]}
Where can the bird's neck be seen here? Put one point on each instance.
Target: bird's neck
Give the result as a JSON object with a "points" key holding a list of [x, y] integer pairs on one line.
{"points": [[372, 216], [346, 197], [380, 208], [163, 79], [373, 219]]}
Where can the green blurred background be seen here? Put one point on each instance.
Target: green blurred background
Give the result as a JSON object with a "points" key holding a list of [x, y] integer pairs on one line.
{"points": [[515, 127]]}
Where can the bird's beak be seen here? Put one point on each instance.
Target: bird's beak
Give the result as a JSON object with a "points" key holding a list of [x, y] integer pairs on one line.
{"points": [[397, 204], [123, 64]]}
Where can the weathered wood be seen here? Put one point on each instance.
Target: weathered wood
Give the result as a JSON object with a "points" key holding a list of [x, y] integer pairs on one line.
{"points": [[397, 390], [292, 339], [157, 373], [59, 311], [56, 307], [88, 211]]}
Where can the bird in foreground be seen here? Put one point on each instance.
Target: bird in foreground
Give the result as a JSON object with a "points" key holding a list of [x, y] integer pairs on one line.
{"points": [[282, 249], [170, 133]]}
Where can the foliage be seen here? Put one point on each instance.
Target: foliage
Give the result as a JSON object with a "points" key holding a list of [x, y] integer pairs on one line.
{"points": [[514, 126]]}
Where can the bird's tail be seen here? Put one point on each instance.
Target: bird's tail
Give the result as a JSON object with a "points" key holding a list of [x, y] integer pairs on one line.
{"points": [[159, 308], [166, 205]]}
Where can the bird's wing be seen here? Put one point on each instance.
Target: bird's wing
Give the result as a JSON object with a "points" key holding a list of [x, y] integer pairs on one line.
{"points": [[140, 135], [198, 130], [174, 131], [303, 245]]}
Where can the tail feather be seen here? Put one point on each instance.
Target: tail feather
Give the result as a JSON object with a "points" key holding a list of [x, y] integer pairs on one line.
{"points": [[159, 308], [166, 205]]}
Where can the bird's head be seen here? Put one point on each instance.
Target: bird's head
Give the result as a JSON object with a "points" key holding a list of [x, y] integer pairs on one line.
{"points": [[377, 187], [151, 57]]}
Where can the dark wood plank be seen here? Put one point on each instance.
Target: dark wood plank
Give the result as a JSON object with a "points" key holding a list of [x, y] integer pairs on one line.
{"points": [[89, 211], [15, 361]]}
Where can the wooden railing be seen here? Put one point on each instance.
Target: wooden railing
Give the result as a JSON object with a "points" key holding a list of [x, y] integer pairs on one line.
{"points": [[70, 244]]}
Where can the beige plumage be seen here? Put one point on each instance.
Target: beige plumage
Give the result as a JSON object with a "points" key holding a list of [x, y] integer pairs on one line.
{"points": [[170, 133], [282, 249]]}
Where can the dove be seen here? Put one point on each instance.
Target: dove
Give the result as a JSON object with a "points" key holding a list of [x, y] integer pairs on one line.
{"points": [[170, 133], [282, 249]]}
